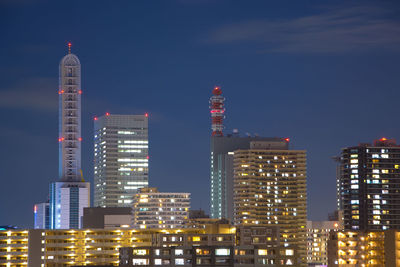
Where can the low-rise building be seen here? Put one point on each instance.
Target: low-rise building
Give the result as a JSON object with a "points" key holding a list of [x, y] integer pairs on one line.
{"points": [[106, 218], [199, 256], [369, 248], [249, 245], [154, 210], [318, 233]]}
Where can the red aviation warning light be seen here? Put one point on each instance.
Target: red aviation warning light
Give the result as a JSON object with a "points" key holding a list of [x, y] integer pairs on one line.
{"points": [[69, 47], [217, 111]]}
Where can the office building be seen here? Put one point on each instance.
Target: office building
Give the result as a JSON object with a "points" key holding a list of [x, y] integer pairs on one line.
{"points": [[370, 184], [152, 209], [106, 218], [270, 189], [318, 234], [41, 216], [71, 193], [369, 248], [121, 158]]}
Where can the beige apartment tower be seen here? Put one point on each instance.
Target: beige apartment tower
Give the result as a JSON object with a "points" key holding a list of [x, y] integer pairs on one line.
{"points": [[270, 189]]}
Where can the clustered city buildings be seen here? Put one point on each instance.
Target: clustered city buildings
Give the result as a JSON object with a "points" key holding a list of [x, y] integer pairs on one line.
{"points": [[258, 202]]}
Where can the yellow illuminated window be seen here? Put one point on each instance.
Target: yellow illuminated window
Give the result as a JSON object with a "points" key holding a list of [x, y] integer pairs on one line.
{"points": [[262, 252], [196, 238]]}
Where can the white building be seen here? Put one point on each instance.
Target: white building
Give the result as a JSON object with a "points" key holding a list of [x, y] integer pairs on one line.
{"points": [[71, 193], [121, 162], [152, 209]]}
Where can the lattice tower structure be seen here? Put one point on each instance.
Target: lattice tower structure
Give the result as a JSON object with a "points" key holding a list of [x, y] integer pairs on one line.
{"points": [[217, 111]]}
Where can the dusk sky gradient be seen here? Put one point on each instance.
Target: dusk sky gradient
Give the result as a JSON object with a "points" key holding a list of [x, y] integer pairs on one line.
{"points": [[325, 74]]}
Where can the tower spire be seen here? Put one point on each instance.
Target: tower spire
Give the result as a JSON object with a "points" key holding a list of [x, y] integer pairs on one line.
{"points": [[69, 47]]}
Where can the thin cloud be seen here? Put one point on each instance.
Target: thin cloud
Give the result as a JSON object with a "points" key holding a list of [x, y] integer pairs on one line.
{"points": [[38, 94], [336, 30]]}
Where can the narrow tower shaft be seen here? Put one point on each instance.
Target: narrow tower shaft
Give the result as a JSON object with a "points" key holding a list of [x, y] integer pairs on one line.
{"points": [[70, 118]]}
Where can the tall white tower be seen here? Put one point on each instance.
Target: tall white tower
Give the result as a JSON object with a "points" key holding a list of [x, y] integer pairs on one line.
{"points": [[70, 195], [70, 118]]}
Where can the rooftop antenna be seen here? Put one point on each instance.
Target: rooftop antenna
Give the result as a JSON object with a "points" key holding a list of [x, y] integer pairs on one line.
{"points": [[69, 47]]}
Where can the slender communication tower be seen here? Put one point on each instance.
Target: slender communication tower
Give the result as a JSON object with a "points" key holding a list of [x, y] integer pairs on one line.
{"points": [[217, 111], [70, 118], [70, 194]]}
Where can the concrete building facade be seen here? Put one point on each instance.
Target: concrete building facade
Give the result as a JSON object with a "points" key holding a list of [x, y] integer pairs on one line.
{"points": [[318, 234], [270, 189], [106, 218], [153, 209]]}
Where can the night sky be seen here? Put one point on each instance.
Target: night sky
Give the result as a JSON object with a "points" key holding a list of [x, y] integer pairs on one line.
{"points": [[325, 74]]}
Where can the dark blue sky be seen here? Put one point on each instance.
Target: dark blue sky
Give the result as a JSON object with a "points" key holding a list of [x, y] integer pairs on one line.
{"points": [[325, 75]]}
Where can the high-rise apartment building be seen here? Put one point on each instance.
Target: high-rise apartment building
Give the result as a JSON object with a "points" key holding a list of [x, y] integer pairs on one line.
{"points": [[270, 188], [155, 210], [222, 147], [121, 158], [70, 194], [370, 186]]}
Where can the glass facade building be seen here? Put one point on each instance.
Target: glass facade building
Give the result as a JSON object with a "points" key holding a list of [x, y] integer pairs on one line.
{"points": [[121, 158]]}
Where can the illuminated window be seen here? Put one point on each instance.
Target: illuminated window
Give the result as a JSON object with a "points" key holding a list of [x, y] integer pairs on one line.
{"points": [[140, 252], [222, 251], [140, 261], [179, 261]]}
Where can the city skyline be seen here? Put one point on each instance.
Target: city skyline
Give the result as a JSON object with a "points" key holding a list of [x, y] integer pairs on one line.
{"points": [[322, 100]]}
